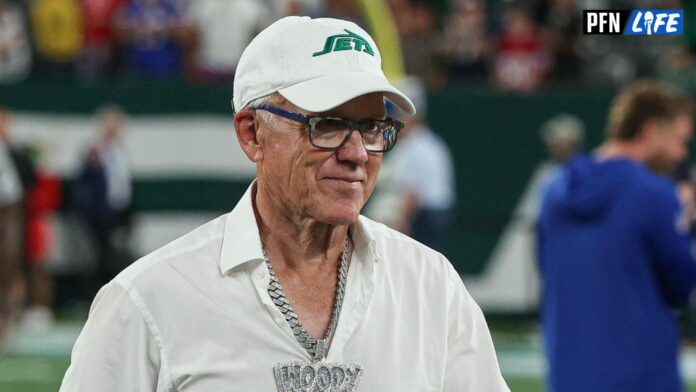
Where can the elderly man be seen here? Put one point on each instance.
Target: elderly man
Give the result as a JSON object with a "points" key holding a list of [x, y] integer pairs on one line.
{"points": [[293, 290]]}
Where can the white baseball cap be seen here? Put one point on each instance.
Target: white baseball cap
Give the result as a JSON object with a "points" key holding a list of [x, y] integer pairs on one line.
{"points": [[317, 64]]}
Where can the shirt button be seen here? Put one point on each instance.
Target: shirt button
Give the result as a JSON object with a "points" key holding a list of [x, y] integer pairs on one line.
{"points": [[278, 321], [260, 275]]}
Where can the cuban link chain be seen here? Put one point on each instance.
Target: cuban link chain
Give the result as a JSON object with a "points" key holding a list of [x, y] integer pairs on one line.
{"points": [[317, 349]]}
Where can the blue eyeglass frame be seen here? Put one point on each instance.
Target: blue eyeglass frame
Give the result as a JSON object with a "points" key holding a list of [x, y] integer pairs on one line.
{"points": [[313, 120]]}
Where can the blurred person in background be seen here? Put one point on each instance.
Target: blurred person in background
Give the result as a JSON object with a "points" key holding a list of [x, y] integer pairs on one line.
{"points": [[151, 31], [465, 46], [218, 32], [11, 238], [293, 283], [615, 252], [415, 23], [560, 26], [20, 154], [41, 201], [103, 196], [416, 191], [15, 50], [58, 31], [100, 56], [22, 159], [343, 9], [521, 62], [563, 135]]}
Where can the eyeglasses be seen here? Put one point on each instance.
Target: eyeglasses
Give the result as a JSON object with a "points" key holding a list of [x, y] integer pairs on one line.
{"points": [[332, 133]]}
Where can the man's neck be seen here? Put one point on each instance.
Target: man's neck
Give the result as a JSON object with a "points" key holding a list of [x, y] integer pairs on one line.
{"points": [[301, 244], [620, 149]]}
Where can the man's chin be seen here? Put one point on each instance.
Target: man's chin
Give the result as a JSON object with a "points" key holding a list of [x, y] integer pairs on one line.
{"points": [[336, 189], [338, 213]]}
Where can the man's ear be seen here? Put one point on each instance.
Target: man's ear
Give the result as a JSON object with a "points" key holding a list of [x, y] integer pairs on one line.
{"points": [[246, 126]]}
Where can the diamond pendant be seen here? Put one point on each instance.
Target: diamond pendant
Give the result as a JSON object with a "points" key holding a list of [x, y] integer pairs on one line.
{"points": [[298, 376], [321, 349], [317, 376]]}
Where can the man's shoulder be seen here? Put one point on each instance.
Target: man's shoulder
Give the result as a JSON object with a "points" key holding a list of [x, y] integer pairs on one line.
{"points": [[656, 181], [407, 266], [653, 186], [194, 247]]}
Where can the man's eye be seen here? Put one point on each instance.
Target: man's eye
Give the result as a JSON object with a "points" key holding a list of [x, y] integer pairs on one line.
{"points": [[331, 125]]}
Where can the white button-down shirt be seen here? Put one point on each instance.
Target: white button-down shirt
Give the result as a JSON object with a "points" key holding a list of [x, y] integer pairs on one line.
{"points": [[195, 315]]}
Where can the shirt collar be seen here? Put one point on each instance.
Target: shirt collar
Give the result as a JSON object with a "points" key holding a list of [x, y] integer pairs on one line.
{"points": [[242, 243], [364, 242]]}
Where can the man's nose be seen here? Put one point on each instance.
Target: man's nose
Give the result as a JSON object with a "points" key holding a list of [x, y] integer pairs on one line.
{"points": [[353, 150]]}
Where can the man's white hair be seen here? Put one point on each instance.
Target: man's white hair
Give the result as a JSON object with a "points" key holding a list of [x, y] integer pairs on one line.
{"points": [[265, 116]]}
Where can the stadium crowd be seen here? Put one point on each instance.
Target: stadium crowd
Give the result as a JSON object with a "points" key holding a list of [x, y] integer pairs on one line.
{"points": [[516, 45]]}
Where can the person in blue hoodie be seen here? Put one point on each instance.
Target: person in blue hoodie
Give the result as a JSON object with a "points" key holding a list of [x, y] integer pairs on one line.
{"points": [[614, 252]]}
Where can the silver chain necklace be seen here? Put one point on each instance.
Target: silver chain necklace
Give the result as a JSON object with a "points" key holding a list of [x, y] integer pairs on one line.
{"points": [[317, 349]]}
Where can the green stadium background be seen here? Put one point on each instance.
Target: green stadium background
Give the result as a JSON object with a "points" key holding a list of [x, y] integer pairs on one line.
{"points": [[494, 140]]}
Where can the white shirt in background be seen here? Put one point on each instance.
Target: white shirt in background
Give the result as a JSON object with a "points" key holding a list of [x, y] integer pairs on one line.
{"points": [[15, 58], [195, 315], [423, 165], [119, 182], [420, 163]]}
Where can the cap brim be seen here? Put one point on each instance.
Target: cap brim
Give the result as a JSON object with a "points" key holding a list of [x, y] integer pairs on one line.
{"points": [[327, 92]]}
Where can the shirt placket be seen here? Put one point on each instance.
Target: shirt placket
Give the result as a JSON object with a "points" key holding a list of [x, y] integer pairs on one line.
{"points": [[260, 277], [359, 293]]}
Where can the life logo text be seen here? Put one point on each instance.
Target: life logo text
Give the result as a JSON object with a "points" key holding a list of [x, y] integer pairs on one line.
{"points": [[634, 22]]}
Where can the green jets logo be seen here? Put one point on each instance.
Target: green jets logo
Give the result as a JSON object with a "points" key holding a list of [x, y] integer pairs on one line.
{"points": [[345, 42]]}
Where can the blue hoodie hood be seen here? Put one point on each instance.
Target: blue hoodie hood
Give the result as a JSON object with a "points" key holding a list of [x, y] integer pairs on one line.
{"points": [[590, 185]]}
